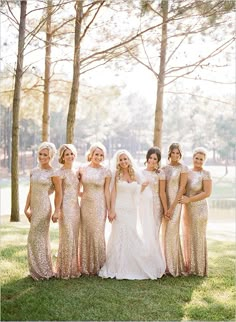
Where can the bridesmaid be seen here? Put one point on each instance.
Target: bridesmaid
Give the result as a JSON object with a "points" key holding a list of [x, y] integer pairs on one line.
{"points": [[95, 203], [38, 211], [67, 260], [199, 188], [153, 204], [176, 178]]}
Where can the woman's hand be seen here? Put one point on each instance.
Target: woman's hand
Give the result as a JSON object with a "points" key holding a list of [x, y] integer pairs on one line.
{"points": [[28, 214], [56, 215], [169, 213], [144, 185], [111, 216], [184, 200]]}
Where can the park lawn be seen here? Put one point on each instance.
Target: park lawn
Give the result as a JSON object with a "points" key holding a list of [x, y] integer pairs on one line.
{"points": [[92, 298]]}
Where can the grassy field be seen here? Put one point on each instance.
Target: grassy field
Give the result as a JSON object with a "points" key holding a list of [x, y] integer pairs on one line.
{"points": [[92, 298]]}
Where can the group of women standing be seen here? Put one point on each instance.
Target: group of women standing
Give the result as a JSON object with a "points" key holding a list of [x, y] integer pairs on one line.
{"points": [[138, 204]]}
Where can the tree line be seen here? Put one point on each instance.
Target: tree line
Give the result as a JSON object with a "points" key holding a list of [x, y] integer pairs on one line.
{"points": [[84, 36]]}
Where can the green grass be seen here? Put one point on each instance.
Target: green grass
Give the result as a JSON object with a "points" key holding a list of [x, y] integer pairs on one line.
{"points": [[92, 298]]}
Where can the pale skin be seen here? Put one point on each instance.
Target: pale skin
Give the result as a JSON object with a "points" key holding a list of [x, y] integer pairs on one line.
{"points": [[174, 161], [96, 158], [152, 165], [44, 161], [198, 162]]}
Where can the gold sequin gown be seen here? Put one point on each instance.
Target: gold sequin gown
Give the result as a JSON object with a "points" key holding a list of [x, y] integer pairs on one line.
{"points": [[68, 260], [171, 228], [197, 213], [93, 216], [38, 246]]}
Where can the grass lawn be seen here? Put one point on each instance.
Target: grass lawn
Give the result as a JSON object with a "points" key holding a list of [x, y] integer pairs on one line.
{"points": [[92, 298]]}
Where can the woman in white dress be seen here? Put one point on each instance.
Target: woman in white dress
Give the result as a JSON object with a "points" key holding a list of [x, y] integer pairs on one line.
{"points": [[127, 257], [153, 205]]}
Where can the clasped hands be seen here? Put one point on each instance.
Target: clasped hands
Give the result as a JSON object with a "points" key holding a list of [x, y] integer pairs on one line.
{"points": [[184, 200], [56, 215], [111, 215]]}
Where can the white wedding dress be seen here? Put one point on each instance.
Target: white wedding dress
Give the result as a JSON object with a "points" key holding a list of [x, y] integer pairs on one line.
{"points": [[129, 256]]}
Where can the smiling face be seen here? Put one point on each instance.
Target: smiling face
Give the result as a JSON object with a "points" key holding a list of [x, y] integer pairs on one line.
{"points": [[175, 155], [198, 161], [97, 157], [68, 156], [44, 157], [152, 162], [123, 161]]}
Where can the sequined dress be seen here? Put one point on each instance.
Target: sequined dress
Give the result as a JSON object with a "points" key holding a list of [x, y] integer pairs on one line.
{"points": [[198, 216], [171, 228], [68, 260], [93, 215], [38, 246]]}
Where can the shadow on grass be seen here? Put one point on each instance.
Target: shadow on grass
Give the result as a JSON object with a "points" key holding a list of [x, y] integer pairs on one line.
{"points": [[92, 298]]}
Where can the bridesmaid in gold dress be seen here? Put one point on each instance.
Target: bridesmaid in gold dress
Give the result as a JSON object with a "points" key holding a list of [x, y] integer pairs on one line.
{"points": [[67, 260], [38, 211], [199, 188], [176, 179], [95, 203]]}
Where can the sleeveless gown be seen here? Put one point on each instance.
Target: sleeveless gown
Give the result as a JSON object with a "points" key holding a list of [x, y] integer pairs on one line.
{"points": [[127, 255]]}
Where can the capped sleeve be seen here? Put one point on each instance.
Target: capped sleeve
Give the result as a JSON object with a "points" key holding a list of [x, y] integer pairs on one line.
{"points": [[58, 173], [108, 173], [162, 175], [184, 169], [206, 175]]}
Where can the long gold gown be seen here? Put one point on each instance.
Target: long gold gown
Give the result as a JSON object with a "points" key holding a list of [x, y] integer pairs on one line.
{"points": [[38, 246], [93, 216], [197, 213], [171, 228], [68, 259]]}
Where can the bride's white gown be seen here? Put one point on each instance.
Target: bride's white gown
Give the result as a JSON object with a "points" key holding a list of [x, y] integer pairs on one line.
{"points": [[129, 255]]}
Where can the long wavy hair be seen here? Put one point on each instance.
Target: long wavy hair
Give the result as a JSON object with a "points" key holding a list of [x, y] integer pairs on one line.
{"points": [[154, 150], [118, 170]]}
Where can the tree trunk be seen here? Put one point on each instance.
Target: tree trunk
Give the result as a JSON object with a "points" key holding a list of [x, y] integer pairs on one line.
{"points": [[157, 141], [15, 216], [76, 74], [46, 111]]}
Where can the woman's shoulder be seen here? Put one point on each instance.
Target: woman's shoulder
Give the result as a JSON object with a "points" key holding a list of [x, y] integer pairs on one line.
{"points": [[206, 174], [106, 171], [184, 168]]}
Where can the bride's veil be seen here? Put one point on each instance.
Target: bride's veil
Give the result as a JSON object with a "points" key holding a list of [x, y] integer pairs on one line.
{"points": [[115, 161]]}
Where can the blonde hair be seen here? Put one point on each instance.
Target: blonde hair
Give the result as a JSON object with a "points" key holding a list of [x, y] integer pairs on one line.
{"points": [[131, 170], [200, 150], [50, 147], [172, 147], [62, 150], [92, 148]]}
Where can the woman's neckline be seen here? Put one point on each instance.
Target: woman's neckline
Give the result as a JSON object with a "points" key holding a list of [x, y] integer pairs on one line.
{"points": [[45, 169]]}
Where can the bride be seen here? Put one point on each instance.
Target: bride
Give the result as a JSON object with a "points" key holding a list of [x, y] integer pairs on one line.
{"points": [[129, 256]]}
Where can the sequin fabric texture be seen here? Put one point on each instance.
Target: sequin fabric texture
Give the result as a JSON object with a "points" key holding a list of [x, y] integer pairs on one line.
{"points": [[198, 216], [171, 228], [93, 216], [153, 179], [38, 246], [68, 260]]}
